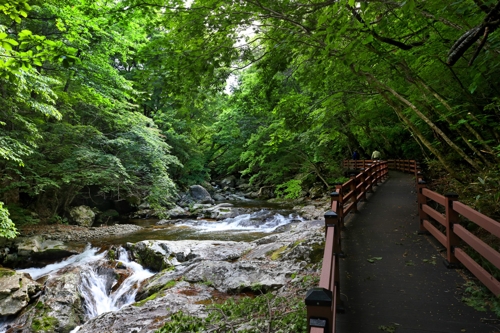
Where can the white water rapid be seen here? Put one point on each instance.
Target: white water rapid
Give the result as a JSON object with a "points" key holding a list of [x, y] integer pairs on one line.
{"points": [[260, 221], [95, 287], [98, 285]]}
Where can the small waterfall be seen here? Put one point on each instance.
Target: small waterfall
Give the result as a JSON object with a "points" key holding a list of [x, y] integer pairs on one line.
{"points": [[89, 255], [260, 221], [96, 287], [99, 287]]}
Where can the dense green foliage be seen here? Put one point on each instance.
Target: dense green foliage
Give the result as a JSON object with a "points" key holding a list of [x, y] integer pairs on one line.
{"points": [[124, 101]]}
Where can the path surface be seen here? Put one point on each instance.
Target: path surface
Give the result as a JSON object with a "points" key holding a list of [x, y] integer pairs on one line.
{"points": [[409, 289]]}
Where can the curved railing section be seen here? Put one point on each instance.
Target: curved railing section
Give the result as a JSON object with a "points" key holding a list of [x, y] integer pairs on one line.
{"points": [[323, 302]]}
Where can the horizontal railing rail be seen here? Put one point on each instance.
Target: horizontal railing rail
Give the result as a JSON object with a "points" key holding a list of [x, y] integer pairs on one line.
{"points": [[443, 223], [323, 302]]}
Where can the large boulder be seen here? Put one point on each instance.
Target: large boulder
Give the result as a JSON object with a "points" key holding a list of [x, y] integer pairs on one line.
{"points": [[82, 216], [58, 309], [148, 315], [200, 194], [228, 182], [36, 250], [243, 275], [177, 212], [159, 255], [16, 291]]}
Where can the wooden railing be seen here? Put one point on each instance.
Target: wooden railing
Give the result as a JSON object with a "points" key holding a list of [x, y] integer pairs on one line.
{"points": [[323, 302], [443, 223]]}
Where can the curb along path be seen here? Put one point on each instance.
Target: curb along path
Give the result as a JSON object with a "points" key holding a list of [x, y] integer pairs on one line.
{"points": [[394, 280]]}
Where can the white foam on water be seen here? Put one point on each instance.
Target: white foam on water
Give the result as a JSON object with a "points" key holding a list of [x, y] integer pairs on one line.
{"points": [[87, 256], [254, 222]]}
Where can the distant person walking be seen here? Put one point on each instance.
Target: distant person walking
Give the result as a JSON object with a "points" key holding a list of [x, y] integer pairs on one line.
{"points": [[355, 155], [376, 155]]}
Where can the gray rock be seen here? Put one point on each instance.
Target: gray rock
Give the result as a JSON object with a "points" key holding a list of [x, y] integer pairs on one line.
{"points": [[229, 181], [82, 216], [310, 212], [147, 317], [177, 212], [16, 291], [38, 248], [242, 275], [200, 194], [59, 308], [159, 255]]}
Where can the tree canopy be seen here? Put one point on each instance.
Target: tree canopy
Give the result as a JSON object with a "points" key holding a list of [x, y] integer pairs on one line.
{"points": [[129, 99]]}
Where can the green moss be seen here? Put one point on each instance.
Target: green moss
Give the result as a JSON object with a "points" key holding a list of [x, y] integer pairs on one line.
{"points": [[111, 254], [275, 255], [6, 272], [169, 284], [142, 302], [45, 323], [317, 253]]}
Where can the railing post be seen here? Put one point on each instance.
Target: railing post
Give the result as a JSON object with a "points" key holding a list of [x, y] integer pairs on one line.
{"points": [[451, 238], [340, 203], [422, 200], [355, 193], [363, 181], [319, 309]]}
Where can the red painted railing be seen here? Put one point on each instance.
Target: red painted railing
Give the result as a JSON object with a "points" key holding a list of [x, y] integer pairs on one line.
{"points": [[323, 302], [443, 224]]}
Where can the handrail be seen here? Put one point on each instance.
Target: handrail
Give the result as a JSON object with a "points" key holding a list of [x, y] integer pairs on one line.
{"points": [[323, 302], [455, 235]]}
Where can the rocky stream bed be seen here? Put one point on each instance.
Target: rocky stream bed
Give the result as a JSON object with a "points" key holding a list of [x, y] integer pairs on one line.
{"points": [[141, 284]]}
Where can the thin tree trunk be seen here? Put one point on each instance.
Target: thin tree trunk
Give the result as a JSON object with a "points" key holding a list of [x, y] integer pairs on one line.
{"points": [[412, 127], [448, 107], [428, 122], [467, 142]]}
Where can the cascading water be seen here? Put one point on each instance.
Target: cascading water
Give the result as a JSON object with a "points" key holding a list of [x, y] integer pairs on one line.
{"points": [[97, 287], [96, 291], [261, 221]]}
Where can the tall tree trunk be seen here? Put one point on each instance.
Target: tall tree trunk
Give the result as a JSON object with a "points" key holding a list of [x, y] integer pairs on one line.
{"points": [[428, 122], [448, 107], [460, 133]]}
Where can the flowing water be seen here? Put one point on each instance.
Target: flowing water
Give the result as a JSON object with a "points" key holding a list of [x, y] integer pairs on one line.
{"points": [[102, 293]]}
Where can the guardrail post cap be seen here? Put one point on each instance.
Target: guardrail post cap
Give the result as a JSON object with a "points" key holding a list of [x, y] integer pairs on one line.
{"points": [[334, 194], [319, 297], [330, 214], [451, 195]]}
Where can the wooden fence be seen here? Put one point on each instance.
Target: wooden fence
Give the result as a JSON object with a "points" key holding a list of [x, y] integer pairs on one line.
{"points": [[324, 302]]}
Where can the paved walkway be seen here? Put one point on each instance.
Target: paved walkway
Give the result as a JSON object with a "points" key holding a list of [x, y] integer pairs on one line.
{"points": [[407, 288]]}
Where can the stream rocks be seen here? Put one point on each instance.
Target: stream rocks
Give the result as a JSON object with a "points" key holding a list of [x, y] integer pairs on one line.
{"points": [[82, 216], [58, 309], [16, 291], [190, 273]]}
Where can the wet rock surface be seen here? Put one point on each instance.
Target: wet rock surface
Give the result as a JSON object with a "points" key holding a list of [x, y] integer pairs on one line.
{"points": [[16, 291]]}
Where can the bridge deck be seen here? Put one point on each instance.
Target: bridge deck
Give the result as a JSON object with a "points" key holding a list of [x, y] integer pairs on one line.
{"points": [[407, 288]]}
